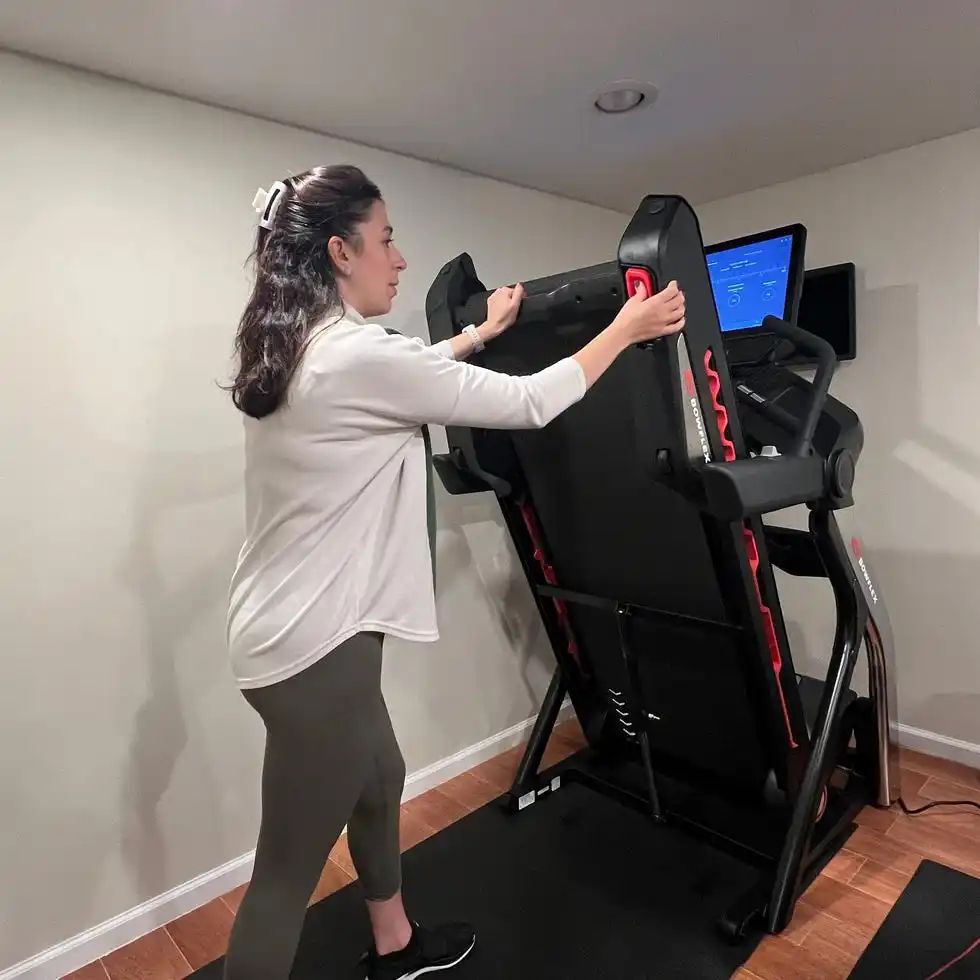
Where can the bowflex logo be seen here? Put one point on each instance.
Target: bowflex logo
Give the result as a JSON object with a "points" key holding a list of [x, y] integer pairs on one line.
{"points": [[856, 548], [692, 397]]}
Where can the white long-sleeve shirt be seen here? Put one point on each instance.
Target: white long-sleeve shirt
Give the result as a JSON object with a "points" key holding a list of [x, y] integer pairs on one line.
{"points": [[335, 492]]}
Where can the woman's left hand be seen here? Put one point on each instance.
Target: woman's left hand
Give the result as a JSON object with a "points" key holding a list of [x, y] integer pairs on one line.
{"points": [[503, 306]]}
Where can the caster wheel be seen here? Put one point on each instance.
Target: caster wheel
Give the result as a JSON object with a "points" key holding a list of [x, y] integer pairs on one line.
{"points": [[734, 930]]}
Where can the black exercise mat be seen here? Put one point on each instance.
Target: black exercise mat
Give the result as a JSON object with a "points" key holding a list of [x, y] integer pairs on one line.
{"points": [[933, 930], [576, 887]]}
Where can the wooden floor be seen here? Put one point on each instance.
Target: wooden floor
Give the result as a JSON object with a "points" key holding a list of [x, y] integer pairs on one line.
{"points": [[833, 923]]}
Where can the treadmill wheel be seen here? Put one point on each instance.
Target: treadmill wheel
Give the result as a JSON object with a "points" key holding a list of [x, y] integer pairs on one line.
{"points": [[735, 930], [743, 916]]}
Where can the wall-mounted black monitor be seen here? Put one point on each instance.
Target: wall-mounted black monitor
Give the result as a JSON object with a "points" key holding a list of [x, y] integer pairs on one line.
{"points": [[828, 309]]}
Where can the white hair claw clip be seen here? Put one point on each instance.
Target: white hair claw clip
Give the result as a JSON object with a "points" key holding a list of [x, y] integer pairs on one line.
{"points": [[266, 203]]}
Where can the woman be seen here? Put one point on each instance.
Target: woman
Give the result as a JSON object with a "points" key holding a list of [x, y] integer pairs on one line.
{"points": [[337, 553]]}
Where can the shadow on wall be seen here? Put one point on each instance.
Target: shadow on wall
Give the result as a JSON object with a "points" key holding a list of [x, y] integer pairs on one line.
{"points": [[926, 491], [178, 577], [927, 595], [479, 525], [176, 591], [937, 650], [919, 491], [491, 667]]}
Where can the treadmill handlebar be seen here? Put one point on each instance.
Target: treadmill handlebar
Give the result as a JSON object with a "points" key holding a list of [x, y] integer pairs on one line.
{"points": [[750, 487], [584, 292], [826, 361]]}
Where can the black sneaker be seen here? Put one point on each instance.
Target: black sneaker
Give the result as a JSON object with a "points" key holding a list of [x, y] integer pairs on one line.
{"points": [[429, 951]]}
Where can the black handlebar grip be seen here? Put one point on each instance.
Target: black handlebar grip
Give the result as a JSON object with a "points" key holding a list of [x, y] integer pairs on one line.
{"points": [[826, 361]]}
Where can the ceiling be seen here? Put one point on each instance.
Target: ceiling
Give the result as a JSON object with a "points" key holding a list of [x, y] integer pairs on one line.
{"points": [[752, 92]]}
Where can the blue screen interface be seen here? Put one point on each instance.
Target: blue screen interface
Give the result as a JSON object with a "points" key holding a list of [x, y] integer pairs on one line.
{"points": [[750, 282]]}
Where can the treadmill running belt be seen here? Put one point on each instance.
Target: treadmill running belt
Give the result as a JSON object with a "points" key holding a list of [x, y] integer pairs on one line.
{"points": [[577, 886]]}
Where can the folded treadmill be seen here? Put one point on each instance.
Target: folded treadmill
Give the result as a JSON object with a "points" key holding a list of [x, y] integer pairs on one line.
{"points": [[638, 519]]}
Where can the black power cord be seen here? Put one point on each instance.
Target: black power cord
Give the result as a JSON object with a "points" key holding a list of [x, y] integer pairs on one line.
{"points": [[909, 812]]}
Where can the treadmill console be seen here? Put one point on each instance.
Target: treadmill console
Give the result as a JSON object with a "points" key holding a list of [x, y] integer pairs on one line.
{"points": [[772, 404]]}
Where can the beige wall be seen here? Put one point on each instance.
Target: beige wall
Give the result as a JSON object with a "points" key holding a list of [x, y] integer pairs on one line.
{"points": [[129, 764], [910, 221]]}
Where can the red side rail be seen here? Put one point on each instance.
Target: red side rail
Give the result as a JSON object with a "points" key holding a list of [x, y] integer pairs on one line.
{"points": [[751, 545]]}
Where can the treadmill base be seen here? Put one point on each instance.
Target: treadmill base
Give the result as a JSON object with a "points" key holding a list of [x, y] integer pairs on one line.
{"points": [[751, 836]]}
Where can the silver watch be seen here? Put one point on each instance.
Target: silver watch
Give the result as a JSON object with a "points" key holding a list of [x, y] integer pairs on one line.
{"points": [[474, 335]]}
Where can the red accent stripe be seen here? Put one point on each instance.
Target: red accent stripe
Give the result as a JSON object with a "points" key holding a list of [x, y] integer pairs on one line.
{"points": [[966, 952], [775, 656], [530, 522], [721, 413], [751, 546]]}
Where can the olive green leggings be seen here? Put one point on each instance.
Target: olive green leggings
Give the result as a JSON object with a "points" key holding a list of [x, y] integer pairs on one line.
{"points": [[331, 759]]}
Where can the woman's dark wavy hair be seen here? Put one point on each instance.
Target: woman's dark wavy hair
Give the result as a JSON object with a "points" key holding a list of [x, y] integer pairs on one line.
{"points": [[295, 281]]}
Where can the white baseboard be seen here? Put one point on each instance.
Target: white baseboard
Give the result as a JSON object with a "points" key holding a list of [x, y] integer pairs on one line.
{"points": [[85, 948], [940, 746], [88, 946]]}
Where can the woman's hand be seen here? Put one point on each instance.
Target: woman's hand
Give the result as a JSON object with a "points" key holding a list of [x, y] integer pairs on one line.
{"points": [[503, 306], [641, 318], [645, 317]]}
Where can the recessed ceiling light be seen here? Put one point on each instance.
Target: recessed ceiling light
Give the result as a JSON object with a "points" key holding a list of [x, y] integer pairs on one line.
{"points": [[624, 97], [619, 100]]}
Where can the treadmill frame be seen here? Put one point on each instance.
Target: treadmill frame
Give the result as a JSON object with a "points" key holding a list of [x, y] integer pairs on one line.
{"points": [[807, 827]]}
